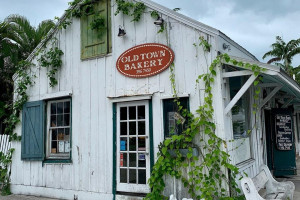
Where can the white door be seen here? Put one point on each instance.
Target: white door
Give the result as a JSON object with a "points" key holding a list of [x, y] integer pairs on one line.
{"points": [[133, 147]]}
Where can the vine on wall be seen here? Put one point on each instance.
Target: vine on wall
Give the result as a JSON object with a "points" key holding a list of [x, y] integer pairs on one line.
{"points": [[210, 176]]}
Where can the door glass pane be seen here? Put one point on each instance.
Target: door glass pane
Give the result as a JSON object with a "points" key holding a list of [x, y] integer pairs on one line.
{"points": [[132, 128], [123, 175], [132, 175], [123, 159], [123, 144], [141, 112], [142, 160], [59, 120], [142, 176], [123, 113], [142, 144], [132, 144], [132, 160], [132, 112], [123, 128], [141, 128]]}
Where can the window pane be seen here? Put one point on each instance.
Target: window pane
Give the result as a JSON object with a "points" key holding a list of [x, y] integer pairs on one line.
{"points": [[123, 175], [67, 120], [123, 128], [67, 134], [53, 121], [132, 175], [54, 134], [142, 160], [123, 113], [132, 160], [132, 128], [61, 134], [132, 112], [67, 107], [141, 128], [123, 144], [132, 144], [60, 107], [142, 176], [53, 108], [59, 120], [54, 147], [141, 112]]}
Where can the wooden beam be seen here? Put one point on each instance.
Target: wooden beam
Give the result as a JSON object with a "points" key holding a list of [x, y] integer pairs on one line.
{"points": [[240, 93], [237, 73], [287, 103], [274, 91], [268, 85]]}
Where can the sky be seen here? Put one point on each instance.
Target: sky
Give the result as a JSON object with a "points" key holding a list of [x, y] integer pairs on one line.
{"points": [[253, 24]]}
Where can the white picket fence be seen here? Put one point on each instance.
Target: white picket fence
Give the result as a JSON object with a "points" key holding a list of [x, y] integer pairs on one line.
{"points": [[5, 144]]}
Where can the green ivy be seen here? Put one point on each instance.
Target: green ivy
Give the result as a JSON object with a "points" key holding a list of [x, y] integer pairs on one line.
{"points": [[51, 59], [132, 9], [210, 175]]}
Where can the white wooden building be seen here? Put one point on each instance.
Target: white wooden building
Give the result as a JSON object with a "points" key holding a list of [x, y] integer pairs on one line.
{"points": [[74, 150]]}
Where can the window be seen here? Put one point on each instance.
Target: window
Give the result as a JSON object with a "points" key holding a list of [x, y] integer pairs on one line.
{"points": [[96, 42], [241, 114], [46, 130], [58, 128], [174, 122]]}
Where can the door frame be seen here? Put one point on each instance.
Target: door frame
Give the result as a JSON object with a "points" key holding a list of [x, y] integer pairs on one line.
{"points": [[115, 153]]}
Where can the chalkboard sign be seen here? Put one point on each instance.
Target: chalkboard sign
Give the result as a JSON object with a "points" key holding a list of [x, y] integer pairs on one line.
{"points": [[284, 132]]}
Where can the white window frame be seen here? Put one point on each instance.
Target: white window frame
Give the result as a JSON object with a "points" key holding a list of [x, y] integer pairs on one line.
{"points": [[49, 155]]}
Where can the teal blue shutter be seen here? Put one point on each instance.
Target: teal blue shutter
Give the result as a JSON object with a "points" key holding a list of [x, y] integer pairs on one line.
{"points": [[33, 131]]}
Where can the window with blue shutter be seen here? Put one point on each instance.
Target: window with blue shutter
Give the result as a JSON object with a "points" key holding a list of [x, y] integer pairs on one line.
{"points": [[33, 131]]}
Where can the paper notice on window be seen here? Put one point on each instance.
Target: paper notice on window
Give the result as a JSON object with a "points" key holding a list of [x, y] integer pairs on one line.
{"points": [[61, 146], [67, 147], [179, 118]]}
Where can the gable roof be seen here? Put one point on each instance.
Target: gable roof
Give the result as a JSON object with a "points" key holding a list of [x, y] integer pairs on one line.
{"points": [[161, 9]]}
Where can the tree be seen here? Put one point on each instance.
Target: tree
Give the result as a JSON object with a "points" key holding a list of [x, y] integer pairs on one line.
{"points": [[17, 40], [285, 52]]}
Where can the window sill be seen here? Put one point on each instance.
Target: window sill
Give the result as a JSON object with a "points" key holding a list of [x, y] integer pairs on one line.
{"points": [[96, 57], [58, 161]]}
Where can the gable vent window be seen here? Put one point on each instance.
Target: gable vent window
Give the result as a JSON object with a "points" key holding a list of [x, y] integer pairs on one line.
{"points": [[96, 29]]}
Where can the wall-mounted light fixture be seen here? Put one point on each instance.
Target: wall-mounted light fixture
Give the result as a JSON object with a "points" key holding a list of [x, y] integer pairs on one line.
{"points": [[159, 21], [226, 46], [122, 31]]}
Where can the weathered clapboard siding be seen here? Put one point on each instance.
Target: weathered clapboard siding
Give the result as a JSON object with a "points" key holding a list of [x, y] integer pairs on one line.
{"points": [[93, 84]]}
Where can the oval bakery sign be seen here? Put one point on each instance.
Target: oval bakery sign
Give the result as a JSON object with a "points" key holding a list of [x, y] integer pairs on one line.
{"points": [[145, 60]]}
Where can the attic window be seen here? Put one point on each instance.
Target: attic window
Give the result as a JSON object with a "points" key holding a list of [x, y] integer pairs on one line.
{"points": [[96, 29]]}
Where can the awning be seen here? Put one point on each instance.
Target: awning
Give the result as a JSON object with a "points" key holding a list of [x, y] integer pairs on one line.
{"points": [[273, 77]]}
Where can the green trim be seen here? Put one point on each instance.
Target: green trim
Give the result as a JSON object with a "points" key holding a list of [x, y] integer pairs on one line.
{"points": [[57, 161], [151, 135], [114, 181]]}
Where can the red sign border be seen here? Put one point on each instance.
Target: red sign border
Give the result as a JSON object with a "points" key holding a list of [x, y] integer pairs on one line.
{"points": [[172, 56]]}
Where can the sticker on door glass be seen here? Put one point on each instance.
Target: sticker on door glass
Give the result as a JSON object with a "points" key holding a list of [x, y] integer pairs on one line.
{"points": [[121, 160], [123, 145], [142, 157]]}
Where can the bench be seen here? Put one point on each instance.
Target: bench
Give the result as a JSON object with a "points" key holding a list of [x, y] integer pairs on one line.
{"points": [[268, 187]]}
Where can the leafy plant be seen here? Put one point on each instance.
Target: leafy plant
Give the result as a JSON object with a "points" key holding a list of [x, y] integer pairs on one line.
{"points": [[211, 175], [131, 9], [51, 59]]}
